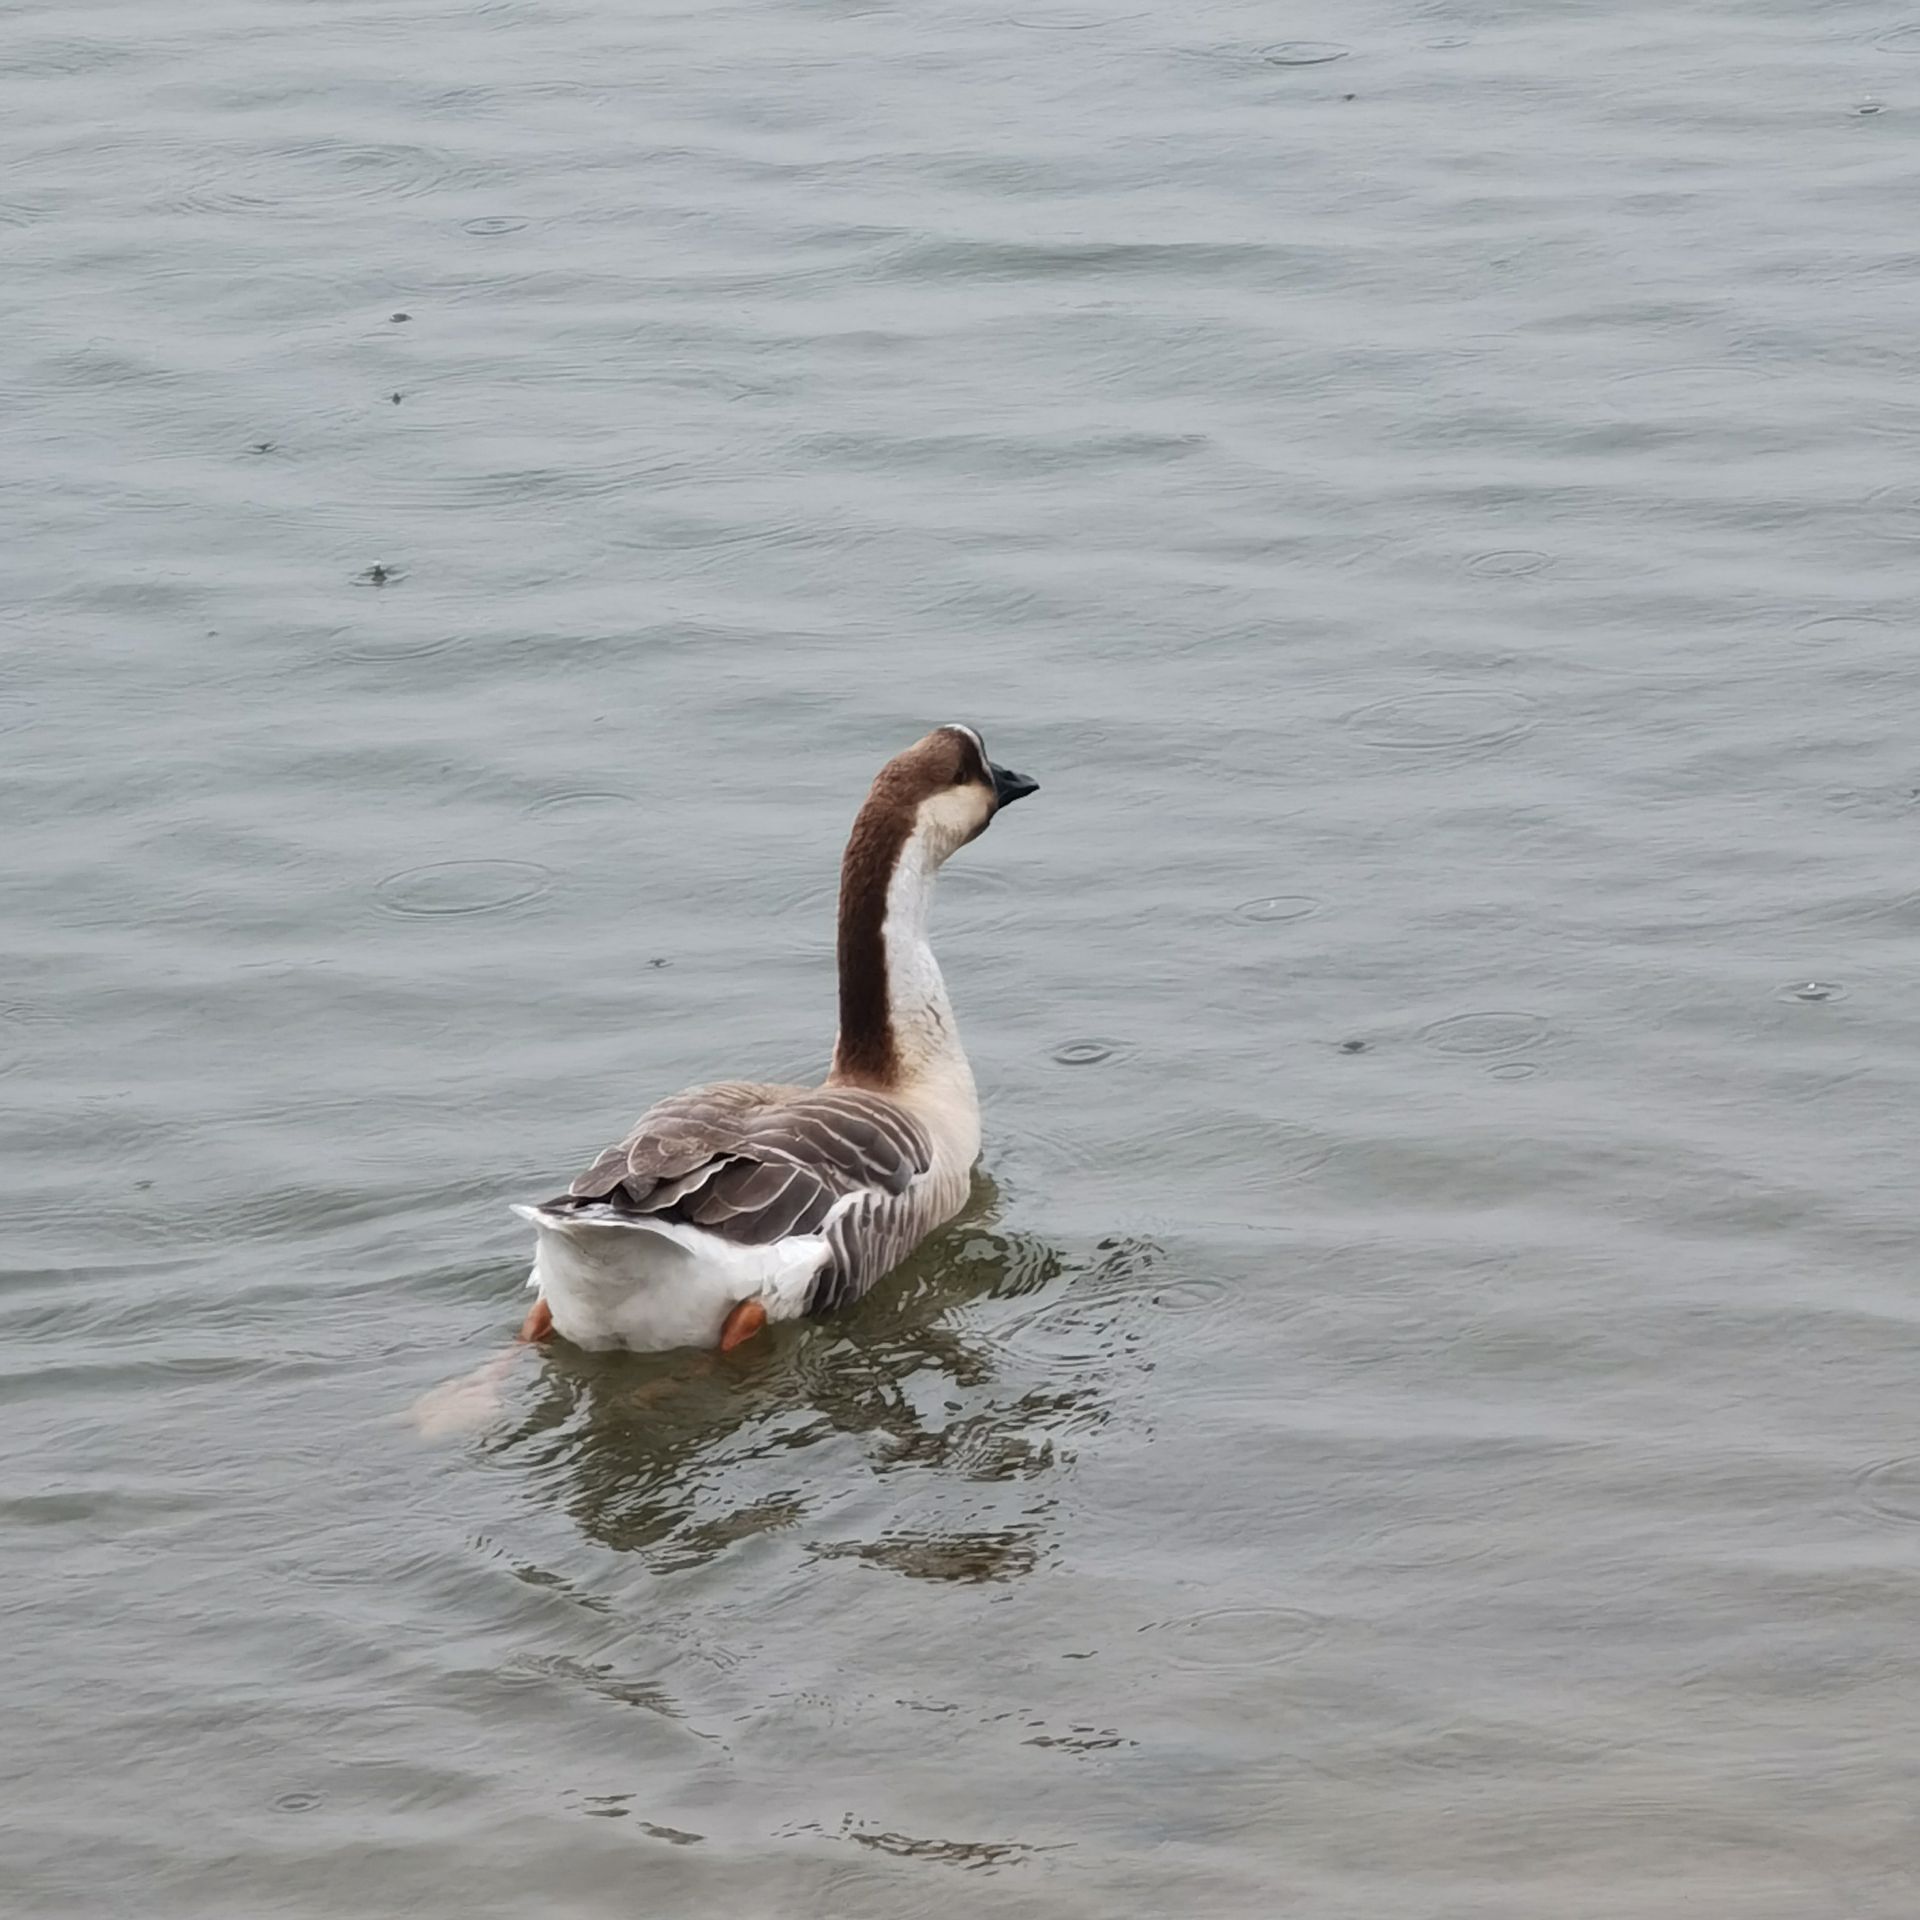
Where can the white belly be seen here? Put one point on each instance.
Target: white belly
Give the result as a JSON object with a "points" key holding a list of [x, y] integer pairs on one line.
{"points": [[663, 1285]]}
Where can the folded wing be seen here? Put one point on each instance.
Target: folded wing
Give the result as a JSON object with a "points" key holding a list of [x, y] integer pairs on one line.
{"points": [[755, 1164]]}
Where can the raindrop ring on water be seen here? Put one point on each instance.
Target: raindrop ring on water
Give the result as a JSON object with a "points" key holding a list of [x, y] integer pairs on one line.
{"points": [[1305, 53], [1484, 1033], [1087, 1053], [1509, 563], [1197, 1294], [1277, 909], [1813, 992], [587, 801], [463, 886], [1447, 720], [1239, 1638]]}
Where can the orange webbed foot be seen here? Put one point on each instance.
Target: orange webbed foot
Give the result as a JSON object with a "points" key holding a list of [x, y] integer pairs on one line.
{"points": [[742, 1324], [538, 1325]]}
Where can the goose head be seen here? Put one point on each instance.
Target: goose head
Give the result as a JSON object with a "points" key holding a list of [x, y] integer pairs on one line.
{"points": [[944, 791]]}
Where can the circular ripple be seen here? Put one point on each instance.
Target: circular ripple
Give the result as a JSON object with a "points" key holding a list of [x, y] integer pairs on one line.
{"points": [[1277, 909], [1234, 1639], [1305, 53], [463, 886], [1262, 1154], [1693, 389], [1892, 1487], [324, 174], [407, 649], [1443, 722], [1509, 563], [1837, 629], [1048, 1151], [1513, 1070], [1122, 1268], [1195, 1295], [586, 804], [1087, 1053], [1475, 1034], [492, 223], [1061, 1339], [1813, 992], [299, 1801]]}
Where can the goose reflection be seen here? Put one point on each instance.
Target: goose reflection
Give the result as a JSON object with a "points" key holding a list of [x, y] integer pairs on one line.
{"points": [[924, 1397]]}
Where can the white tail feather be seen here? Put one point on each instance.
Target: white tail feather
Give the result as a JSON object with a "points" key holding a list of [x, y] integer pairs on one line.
{"points": [[621, 1280]]}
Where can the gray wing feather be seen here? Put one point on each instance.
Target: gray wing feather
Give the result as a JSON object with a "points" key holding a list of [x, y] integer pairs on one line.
{"points": [[755, 1164]]}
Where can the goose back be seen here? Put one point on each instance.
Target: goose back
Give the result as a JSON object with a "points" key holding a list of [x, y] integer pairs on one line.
{"points": [[754, 1165]]}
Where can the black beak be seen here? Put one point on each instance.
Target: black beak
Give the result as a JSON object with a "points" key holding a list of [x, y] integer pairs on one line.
{"points": [[1009, 787]]}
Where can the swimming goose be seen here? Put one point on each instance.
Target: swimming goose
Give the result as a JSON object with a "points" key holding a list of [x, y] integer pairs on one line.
{"points": [[733, 1205]]}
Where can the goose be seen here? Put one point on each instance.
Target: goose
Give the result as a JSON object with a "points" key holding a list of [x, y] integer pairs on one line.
{"points": [[732, 1206]]}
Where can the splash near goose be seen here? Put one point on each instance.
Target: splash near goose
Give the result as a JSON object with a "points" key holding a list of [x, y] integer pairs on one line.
{"points": [[735, 1205]]}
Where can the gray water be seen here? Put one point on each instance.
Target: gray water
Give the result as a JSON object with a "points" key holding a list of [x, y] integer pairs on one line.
{"points": [[1420, 1419]]}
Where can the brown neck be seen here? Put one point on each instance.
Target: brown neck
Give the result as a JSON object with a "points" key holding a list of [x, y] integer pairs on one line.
{"points": [[868, 1053]]}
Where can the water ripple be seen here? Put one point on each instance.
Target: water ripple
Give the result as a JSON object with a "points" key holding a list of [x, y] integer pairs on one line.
{"points": [[401, 649], [1197, 1294], [1277, 909], [1071, 20], [1305, 53], [1268, 1152], [971, 1557], [1239, 1639], [1509, 563], [1062, 1338], [1444, 722], [1089, 1053], [1708, 390], [1836, 629], [1812, 992], [449, 887], [1891, 1488], [1475, 1034], [1893, 512], [322, 176], [586, 803]]}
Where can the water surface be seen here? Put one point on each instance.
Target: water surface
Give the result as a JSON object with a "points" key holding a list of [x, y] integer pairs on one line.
{"points": [[1420, 1419]]}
